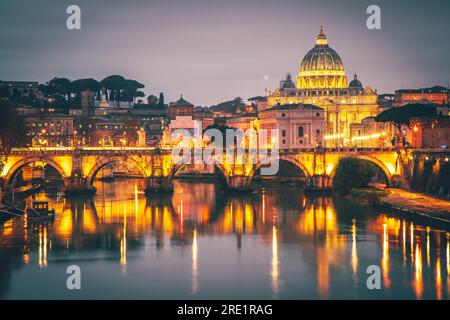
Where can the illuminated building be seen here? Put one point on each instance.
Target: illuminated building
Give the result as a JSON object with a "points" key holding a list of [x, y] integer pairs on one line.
{"points": [[181, 117], [321, 81], [430, 132], [298, 125], [243, 122], [50, 129], [369, 134], [436, 94]]}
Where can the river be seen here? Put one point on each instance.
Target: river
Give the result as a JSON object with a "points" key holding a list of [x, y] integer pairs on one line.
{"points": [[203, 243]]}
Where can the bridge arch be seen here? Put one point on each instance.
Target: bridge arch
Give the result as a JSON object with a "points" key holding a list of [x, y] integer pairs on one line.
{"points": [[289, 159], [378, 163], [16, 167], [128, 161], [178, 167]]}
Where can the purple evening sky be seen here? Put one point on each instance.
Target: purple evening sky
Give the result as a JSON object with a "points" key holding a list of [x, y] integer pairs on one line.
{"points": [[212, 50]]}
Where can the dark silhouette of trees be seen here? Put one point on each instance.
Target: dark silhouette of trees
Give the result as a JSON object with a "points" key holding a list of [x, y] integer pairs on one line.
{"points": [[152, 100], [402, 115], [352, 173], [66, 93], [13, 132], [161, 101]]}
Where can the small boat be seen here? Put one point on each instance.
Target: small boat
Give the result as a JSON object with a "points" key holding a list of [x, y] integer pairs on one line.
{"points": [[39, 211]]}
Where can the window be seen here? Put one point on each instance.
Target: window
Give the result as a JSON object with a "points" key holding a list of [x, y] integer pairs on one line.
{"points": [[317, 114], [300, 132], [283, 115], [283, 133], [283, 142]]}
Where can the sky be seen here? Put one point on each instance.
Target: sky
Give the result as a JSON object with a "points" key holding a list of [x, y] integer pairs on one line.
{"points": [[215, 50]]}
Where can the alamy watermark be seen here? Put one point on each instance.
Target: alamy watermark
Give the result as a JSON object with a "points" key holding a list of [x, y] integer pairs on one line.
{"points": [[374, 20], [74, 280], [228, 146], [73, 21]]}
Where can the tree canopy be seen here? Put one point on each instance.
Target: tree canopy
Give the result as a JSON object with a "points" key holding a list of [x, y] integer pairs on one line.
{"points": [[229, 106], [67, 93], [13, 132], [401, 115], [352, 173]]}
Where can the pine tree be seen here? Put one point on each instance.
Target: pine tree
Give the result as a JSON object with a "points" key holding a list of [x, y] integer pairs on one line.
{"points": [[161, 101]]}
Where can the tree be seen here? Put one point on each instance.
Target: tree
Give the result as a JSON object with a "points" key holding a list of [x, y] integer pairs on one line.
{"points": [[232, 106], [121, 89], [352, 173], [400, 116], [4, 93], [77, 86], [161, 101], [152, 100], [13, 132], [113, 84]]}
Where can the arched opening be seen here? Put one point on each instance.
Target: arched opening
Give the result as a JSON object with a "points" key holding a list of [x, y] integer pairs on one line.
{"points": [[382, 174], [33, 174], [215, 171], [111, 175], [359, 172], [288, 171]]}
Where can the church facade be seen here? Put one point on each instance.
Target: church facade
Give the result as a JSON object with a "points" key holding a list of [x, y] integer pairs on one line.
{"points": [[322, 82]]}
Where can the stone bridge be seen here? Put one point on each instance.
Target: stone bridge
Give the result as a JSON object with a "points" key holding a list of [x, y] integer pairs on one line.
{"points": [[78, 166]]}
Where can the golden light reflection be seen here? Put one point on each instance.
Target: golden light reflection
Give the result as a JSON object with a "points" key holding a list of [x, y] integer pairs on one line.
{"points": [[354, 249], [438, 279], [404, 242], [275, 262], [123, 244], [385, 257], [411, 226], [428, 246], [42, 246], [418, 283], [194, 261]]}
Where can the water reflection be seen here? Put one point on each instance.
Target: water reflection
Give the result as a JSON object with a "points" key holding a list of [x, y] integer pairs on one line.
{"points": [[277, 242]]}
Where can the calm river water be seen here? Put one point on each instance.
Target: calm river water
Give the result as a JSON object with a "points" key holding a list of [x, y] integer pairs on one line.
{"points": [[201, 242]]}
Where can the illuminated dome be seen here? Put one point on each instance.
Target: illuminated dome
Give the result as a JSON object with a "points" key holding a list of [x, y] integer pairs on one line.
{"points": [[355, 83], [321, 68]]}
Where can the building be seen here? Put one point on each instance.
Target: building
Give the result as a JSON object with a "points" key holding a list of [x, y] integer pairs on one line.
{"points": [[430, 132], [153, 120], [180, 108], [369, 134], [50, 129], [386, 99], [112, 131], [322, 82], [436, 95], [299, 125], [21, 87], [243, 122], [181, 119]]}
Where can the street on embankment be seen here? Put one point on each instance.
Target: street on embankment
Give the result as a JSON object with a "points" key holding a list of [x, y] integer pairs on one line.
{"points": [[416, 203]]}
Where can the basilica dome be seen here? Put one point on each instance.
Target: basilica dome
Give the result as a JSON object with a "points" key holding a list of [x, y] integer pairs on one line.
{"points": [[355, 83], [321, 68]]}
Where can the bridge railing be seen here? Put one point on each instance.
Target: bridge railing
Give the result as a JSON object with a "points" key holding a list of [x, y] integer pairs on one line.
{"points": [[140, 150]]}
